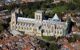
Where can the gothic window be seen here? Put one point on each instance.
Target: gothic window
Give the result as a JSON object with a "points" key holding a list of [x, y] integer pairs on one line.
{"points": [[21, 28], [57, 32], [29, 28], [52, 29], [32, 24], [21, 24], [39, 17], [12, 22], [17, 23], [29, 24], [60, 32], [35, 29], [44, 24], [16, 27], [25, 28], [13, 26], [36, 16], [26, 24], [49, 31]]}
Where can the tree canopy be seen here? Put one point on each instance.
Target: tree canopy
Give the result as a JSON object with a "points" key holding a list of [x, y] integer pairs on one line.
{"points": [[74, 38], [29, 8], [1, 27]]}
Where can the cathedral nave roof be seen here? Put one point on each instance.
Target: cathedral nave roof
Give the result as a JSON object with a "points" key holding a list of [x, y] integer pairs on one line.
{"points": [[21, 19]]}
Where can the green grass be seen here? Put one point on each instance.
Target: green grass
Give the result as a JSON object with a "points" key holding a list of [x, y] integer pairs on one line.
{"points": [[49, 38]]}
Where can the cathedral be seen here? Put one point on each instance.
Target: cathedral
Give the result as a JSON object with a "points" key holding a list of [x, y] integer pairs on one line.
{"points": [[38, 26]]}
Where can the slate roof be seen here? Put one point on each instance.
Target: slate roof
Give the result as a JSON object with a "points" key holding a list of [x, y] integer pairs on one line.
{"points": [[22, 19], [56, 18]]}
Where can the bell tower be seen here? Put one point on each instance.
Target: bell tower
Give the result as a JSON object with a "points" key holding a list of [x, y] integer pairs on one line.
{"points": [[69, 24], [39, 15], [13, 21]]}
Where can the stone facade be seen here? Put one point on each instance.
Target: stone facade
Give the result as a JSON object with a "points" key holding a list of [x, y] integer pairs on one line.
{"points": [[38, 26], [58, 1], [26, 1]]}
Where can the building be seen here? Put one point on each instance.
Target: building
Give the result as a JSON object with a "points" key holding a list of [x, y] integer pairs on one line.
{"points": [[58, 1], [71, 46], [19, 43], [38, 26], [26, 1], [8, 2]]}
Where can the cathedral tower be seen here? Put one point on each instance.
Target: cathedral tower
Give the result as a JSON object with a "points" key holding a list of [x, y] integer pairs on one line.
{"points": [[69, 25], [39, 15], [13, 21]]}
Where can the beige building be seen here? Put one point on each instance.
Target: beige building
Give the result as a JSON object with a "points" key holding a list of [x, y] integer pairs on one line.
{"points": [[38, 26], [58, 1], [26, 1]]}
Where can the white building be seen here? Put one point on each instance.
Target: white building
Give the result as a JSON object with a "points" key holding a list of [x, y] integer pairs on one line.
{"points": [[38, 26]]}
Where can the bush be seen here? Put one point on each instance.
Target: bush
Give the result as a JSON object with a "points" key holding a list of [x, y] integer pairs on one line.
{"points": [[53, 47], [74, 38], [49, 38]]}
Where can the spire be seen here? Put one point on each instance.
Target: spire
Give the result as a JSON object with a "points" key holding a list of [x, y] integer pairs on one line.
{"points": [[56, 18]]}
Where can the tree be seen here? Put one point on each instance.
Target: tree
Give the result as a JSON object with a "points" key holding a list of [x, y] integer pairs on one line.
{"points": [[77, 3], [53, 46], [71, 6], [74, 38], [77, 37], [49, 1], [60, 9], [71, 39], [9, 7], [1, 27]]}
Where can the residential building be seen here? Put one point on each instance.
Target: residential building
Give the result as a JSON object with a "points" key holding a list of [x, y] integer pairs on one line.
{"points": [[58, 1], [71, 46], [26, 1]]}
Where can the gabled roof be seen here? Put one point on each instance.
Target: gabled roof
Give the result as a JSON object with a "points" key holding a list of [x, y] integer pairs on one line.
{"points": [[56, 18], [22, 19]]}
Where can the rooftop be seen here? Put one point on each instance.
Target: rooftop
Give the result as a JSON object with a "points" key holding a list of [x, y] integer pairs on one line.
{"points": [[39, 11], [22, 19], [56, 18]]}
